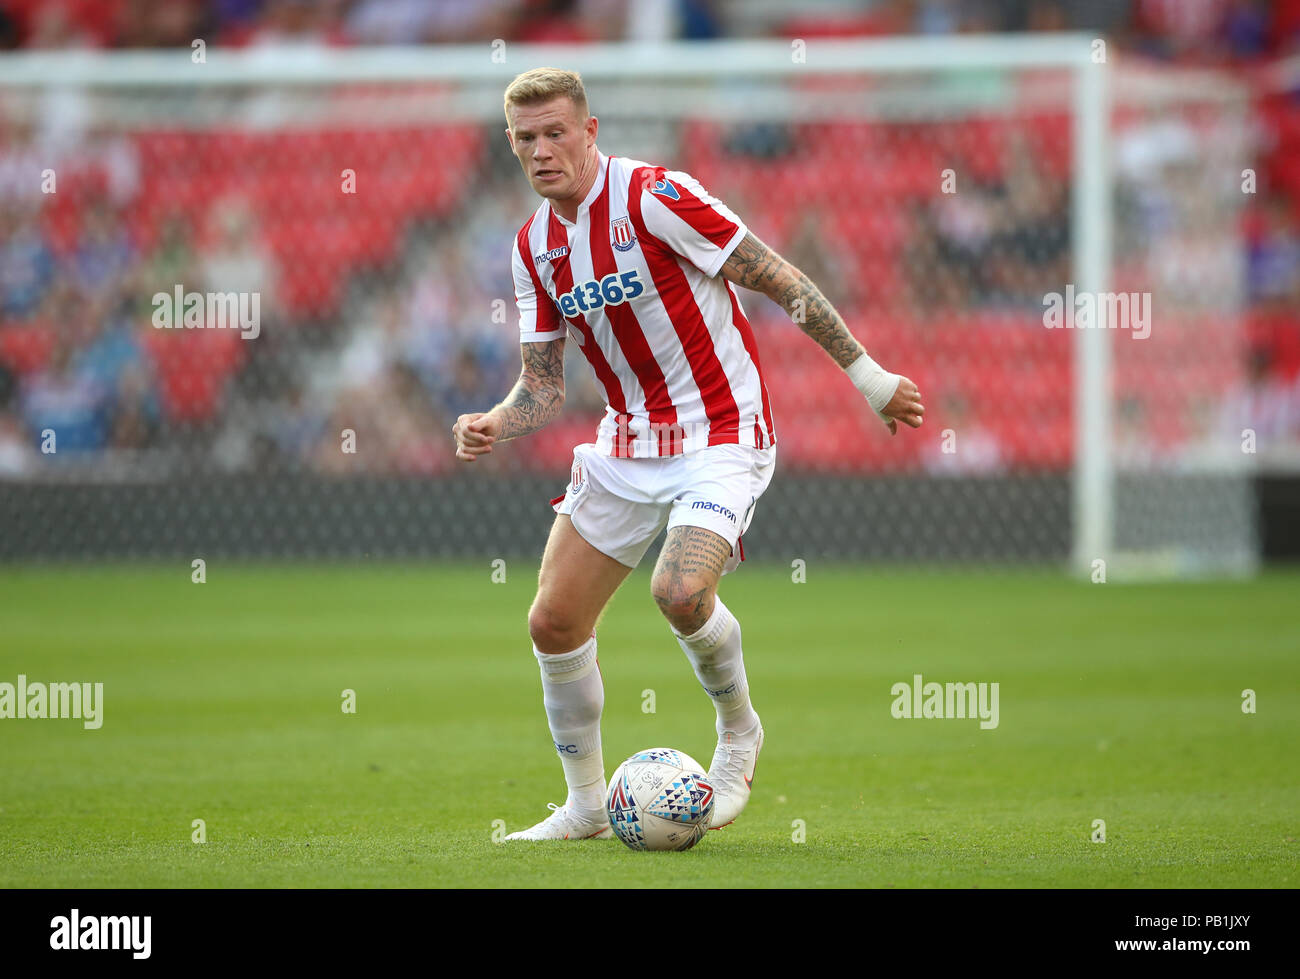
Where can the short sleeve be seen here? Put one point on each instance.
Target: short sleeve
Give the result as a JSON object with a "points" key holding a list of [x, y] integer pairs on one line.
{"points": [[539, 320], [689, 220]]}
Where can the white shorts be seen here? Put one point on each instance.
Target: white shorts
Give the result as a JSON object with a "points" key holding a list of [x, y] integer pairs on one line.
{"points": [[620, 505]]}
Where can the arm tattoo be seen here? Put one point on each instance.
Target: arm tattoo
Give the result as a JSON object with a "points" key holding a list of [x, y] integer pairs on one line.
{"points": [[538, 395], [755, 266]]}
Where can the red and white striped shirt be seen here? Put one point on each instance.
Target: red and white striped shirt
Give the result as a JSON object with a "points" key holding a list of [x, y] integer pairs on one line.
{"points": [[634, 281]]}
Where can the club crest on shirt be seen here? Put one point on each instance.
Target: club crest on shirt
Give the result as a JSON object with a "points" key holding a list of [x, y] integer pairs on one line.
{"points": [[621, 235]]}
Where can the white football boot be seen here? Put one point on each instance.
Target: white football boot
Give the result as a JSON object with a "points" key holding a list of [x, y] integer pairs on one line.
{"points": [[732, 774], [562, 824]]}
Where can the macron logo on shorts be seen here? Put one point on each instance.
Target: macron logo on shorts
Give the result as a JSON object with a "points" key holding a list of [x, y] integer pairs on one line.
{"points": [[715, 507]]}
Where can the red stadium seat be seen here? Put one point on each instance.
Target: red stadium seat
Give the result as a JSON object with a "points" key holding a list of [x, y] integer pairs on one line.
{"points": [[192, 368], [26, 347]]}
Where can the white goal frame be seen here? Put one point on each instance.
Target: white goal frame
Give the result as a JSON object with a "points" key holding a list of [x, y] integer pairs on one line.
{"points": [[1092, 186]]}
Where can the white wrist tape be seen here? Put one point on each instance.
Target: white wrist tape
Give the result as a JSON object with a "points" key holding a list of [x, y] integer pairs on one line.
{"points": [[876, 384]]}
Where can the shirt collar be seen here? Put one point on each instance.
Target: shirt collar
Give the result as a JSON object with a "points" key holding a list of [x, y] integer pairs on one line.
{"points": [[598, 185]]}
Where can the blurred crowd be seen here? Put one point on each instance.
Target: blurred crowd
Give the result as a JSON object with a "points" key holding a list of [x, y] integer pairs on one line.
{"points": [[429, 331], [1199, 30]]}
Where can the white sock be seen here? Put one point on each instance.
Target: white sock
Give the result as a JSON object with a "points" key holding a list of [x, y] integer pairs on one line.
{"points": [[574, 695], [719, 664]]}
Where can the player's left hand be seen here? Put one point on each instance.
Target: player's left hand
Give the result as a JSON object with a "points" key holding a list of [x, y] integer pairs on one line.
{"points": [[905, 406]]}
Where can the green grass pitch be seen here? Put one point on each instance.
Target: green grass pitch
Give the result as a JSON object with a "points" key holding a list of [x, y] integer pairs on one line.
{"points": [[222, 702]]}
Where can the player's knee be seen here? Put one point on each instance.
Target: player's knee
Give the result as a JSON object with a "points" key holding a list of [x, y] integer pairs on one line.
{"points": [[554, 630], [686, 601]]}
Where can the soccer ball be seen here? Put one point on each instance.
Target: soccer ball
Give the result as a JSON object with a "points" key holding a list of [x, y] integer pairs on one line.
{"points": [[660, 799]]}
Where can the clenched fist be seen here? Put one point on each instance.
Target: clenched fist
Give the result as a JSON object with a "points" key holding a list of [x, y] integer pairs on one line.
{"points": [[475, 434], [905, 406]]}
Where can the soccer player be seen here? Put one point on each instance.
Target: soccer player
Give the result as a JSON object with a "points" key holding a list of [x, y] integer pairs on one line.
{"points": [[637, 263]]}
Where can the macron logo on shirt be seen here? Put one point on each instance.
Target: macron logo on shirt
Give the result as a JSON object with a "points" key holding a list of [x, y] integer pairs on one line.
{"points": [[664, 188], [554, 253]]}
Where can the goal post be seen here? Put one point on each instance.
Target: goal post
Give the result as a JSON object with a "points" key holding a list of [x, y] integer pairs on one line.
{"points": [[1094, 476]]}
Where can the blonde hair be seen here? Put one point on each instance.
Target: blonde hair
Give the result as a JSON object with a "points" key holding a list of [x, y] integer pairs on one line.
{"points": [[544, 84]]}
